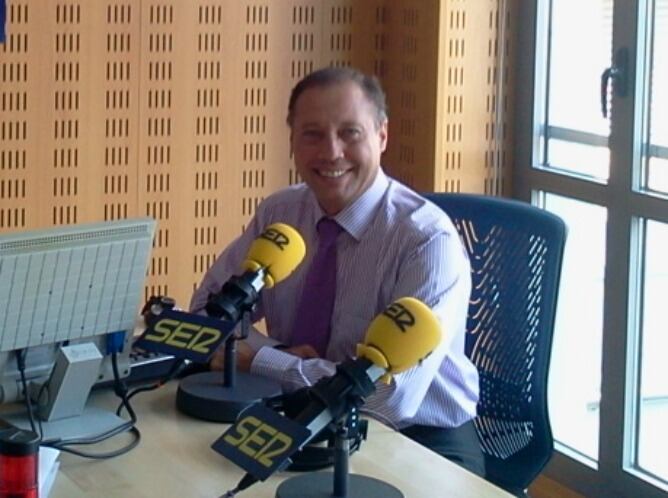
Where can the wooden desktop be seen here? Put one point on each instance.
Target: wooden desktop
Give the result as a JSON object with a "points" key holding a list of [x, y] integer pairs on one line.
{"points": [[174, 459]]}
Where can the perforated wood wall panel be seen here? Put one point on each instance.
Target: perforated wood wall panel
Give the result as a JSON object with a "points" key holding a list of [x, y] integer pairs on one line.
{"points": [[411, 76], [176, 109], [502, 56], [17, 147], [441, 67], [474, 152]]}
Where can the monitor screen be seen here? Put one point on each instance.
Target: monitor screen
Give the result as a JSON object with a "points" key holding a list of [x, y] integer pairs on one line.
{"points": [[65, 286]]}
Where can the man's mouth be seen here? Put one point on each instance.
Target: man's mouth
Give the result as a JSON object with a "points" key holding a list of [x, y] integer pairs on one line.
{"points": [[332, 173]]}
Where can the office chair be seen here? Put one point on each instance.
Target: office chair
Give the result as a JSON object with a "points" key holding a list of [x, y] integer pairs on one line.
{"points": [[516, 254]]}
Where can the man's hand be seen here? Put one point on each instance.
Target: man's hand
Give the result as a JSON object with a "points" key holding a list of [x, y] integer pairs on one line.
{"points": [[304, 351], [245, 355]]}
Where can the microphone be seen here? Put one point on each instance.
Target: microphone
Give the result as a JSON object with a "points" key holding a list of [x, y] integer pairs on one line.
{"points": [[403, 335], [261, 441], [271, 257], [217, 397]]}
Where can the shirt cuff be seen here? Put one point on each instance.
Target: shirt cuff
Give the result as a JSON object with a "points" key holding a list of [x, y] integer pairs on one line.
{"points": [[272, 363]]}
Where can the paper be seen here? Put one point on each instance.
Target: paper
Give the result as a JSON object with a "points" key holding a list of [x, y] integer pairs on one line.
{"points": [[48, 468]]}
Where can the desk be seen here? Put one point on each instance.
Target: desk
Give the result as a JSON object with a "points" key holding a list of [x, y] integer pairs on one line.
{"points": [[174, 459]]}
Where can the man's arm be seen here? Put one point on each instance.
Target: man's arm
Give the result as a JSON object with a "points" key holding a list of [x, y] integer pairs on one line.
{"points": [[227, 264], [287, 366], [438, 273]]}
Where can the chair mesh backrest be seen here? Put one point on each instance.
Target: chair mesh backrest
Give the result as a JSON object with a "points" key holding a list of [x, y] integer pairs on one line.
{"points": [[515, 251]]}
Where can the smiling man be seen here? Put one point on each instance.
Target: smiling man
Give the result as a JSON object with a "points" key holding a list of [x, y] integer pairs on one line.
{"points": [[370, 240], [337, 137]]}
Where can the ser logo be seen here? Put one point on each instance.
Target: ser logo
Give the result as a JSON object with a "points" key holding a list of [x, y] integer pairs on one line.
{"points": [[400, 315], [185, 335], [258, 440], [261, 441], [278, 238]]}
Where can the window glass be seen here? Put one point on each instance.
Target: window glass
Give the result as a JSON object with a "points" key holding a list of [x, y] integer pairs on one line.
{"points": [[653, 429], [574, 100], [657, 171], [575, 371]]}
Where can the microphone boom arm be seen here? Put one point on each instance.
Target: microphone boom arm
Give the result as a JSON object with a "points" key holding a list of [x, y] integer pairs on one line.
{"points": [[237, 296], [333, 397]]}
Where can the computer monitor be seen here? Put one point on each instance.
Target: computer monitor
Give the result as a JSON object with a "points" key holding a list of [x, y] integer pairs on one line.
{"points": [[69, 296]]}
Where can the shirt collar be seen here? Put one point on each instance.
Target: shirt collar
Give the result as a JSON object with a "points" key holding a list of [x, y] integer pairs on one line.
{"points": [[356, 218]]}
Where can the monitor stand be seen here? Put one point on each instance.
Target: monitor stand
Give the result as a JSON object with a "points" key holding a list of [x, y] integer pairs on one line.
{"points": [[92, 422], [60, 401]]}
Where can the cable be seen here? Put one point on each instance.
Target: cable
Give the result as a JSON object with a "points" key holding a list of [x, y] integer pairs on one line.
{"points": [[121, 391], [126, 427], [45, 387], [21, 365], [64, 445], [246, 482], [173, 372]]}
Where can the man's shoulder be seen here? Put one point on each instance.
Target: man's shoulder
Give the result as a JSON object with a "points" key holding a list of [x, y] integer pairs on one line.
{"points": [[407, 208], [291, 193], [293, 198]]}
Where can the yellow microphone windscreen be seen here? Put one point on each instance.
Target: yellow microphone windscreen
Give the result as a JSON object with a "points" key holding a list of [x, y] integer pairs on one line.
{"points": [[401, 336], [279, 249]]}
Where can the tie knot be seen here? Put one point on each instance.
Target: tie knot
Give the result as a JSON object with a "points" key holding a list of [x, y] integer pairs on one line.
{"points": [[328, 230]]}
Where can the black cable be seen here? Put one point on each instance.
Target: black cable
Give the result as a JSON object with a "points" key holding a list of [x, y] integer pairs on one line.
{"points": [[174, 371], [21, 365], [128, 426], [121, 389], [64, 445], [45, 387], [246, 482]]}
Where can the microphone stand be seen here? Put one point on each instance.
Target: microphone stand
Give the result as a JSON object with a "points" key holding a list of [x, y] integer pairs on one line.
{"points": [[210, 396], [340, 483], [230, 353]]}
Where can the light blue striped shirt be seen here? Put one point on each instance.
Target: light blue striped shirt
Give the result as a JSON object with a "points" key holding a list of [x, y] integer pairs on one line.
{"points": [[395, 244]]}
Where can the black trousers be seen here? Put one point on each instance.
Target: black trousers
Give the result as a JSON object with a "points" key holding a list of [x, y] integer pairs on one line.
{"points": [[458, 444]]}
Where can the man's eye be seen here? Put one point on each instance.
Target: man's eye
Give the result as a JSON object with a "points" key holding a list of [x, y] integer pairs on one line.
{"points": [[311, 134], [351, 133]]}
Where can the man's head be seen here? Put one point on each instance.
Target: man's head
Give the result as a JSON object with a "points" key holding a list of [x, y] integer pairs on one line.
{"points": [[338, 131], [333, 75]]}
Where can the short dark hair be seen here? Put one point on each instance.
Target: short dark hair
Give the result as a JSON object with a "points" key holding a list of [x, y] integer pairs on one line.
{"points": [[333, 75]]}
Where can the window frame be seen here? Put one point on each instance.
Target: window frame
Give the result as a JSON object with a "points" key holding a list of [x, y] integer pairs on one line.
{"points": [[626, 205]]}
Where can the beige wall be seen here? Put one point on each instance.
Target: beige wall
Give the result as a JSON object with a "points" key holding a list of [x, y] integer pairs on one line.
{"points": [[175, 109]]}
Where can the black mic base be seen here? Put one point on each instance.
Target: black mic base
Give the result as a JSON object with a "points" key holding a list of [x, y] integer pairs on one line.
{"points": [[204, 395], [320, 485]]}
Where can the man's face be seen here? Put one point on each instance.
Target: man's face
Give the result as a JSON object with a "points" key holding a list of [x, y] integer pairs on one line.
{"points": [[337, 143]]}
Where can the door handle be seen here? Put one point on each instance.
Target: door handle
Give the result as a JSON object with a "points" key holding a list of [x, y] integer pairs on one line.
{"points": [[619, 74]]}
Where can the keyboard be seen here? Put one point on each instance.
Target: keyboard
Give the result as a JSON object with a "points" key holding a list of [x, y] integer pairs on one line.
{"points": [[148, 366]]}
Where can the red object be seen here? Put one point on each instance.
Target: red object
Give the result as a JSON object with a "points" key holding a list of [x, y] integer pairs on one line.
{"points": [[19, 461]]}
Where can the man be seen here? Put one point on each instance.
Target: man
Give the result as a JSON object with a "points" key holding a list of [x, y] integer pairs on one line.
{"points": [[392, 243]]}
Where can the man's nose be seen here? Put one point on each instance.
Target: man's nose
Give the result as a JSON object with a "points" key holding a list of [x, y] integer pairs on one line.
{"points": [[332, 147]]}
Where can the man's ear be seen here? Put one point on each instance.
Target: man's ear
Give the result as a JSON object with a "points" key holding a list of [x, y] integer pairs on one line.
{"points": [[382, 133], [290, 144]]}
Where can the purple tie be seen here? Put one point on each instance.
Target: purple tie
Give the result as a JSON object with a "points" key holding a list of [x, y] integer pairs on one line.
{"points": [[314, 315]]}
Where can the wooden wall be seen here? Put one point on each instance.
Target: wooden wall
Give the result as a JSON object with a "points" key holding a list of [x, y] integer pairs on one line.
{"points": [[175, 109]]}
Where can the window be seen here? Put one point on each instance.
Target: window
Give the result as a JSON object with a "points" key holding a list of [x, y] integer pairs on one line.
{"points": [[653, 379], [595, 151], [575, 131], [575, 397], [657, 121]]}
